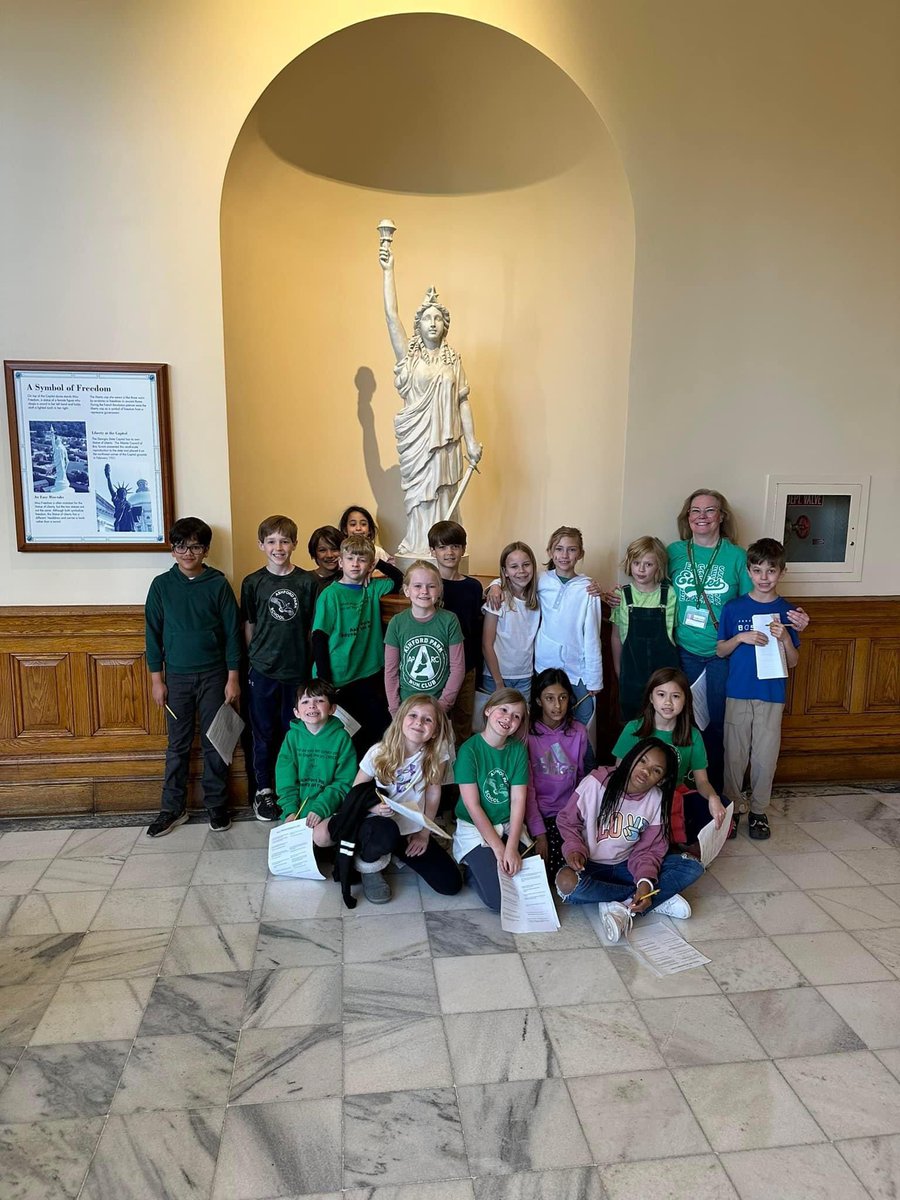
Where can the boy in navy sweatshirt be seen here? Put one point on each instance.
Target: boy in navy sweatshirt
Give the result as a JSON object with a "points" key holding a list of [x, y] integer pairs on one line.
{"points": [[192, 633]]}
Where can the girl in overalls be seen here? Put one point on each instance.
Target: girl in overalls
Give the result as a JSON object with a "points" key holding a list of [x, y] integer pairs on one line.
{"points": [[643, 623]]}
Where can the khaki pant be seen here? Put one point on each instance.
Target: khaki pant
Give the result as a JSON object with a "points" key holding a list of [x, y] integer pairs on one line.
{"points": [[752, 734]]}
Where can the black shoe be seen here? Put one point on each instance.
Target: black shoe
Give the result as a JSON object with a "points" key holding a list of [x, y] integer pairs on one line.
{"points": [[219, 819], [759, 827], [265, 806], [165, 823], [735, 821]]}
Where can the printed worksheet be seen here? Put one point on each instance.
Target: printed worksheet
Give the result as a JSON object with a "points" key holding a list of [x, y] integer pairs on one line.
{"points": [[526, 905], [291, 851]]}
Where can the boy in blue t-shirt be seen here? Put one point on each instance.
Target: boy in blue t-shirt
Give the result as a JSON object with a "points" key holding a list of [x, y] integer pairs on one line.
{"points": [[754, 705]]}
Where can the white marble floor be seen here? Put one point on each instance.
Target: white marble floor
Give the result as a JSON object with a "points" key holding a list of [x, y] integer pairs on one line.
{"points": [[174, 1023]]}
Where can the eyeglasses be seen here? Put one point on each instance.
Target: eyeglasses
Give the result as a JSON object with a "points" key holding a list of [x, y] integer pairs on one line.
{"points": [[703, 512], [192, 548]]}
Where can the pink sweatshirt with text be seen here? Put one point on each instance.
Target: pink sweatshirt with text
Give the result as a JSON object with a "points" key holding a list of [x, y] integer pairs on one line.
{"points": [[634, 835]]}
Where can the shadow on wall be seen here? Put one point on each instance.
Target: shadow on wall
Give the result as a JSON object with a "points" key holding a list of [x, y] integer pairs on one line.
{"points": [[414, 133], [384, 482]]}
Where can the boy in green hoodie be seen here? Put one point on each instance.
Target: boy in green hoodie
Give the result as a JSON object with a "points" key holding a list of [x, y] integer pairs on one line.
{"points": [[316, 765], [193, 643]]}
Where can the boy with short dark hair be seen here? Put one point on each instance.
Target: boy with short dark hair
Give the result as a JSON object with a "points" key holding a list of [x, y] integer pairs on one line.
{"points": [[324, 548], [277, 605], [754, 705], [464, 597], [316, 764], [193, 645]]}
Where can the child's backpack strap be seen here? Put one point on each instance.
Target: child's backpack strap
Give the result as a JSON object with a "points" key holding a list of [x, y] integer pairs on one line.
{"points": [[344, 830]]}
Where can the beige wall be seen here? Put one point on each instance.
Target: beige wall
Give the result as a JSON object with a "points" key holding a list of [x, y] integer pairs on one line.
{"points": [[760, 148]]}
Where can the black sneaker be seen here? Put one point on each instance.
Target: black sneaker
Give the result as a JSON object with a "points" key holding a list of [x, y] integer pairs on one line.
{"points": [[219, 819], [165, 823], [759, 827], [735, 821], [265, 806]]}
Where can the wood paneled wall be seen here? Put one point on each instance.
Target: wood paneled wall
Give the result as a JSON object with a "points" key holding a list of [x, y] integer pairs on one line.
{"points": [[79, 732]]}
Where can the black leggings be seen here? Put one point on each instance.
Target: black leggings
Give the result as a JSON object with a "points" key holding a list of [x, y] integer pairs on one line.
{"points": [[435, 866]]}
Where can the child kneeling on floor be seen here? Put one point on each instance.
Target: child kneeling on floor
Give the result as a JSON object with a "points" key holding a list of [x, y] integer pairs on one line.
{"points": [[615, 835]]}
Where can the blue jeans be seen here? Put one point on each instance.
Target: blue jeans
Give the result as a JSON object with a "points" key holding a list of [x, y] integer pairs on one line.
{"points": [[584, 704], [716, 669], [522, 685], [602, 882]]}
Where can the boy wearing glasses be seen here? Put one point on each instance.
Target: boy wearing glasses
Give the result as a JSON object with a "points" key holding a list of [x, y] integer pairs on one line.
{"points": [[192, 633]]}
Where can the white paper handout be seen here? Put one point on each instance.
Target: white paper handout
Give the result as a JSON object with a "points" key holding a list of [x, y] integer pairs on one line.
{"points": [[411, 813], [661, 949], [225, 731], [291, 851], [526, 905], [771, 662], [349, 723], [711, 839], [698, 699]]}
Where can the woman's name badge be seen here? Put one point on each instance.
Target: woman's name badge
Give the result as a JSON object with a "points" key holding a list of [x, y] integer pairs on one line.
{"points": [[696, 618]]}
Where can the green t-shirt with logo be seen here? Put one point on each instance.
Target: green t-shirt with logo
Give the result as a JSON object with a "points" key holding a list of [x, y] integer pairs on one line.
{"points": [[722, 572], [690, 758], [424, 648], [494, 771], [351, 617]]}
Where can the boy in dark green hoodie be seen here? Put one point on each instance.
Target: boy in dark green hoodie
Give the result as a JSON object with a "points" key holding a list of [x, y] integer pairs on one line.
{"points": [[192, 634]]}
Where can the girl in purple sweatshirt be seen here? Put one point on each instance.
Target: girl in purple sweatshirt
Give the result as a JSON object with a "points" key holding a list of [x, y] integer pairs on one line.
{"points": [[559, 754], [615, 835]]}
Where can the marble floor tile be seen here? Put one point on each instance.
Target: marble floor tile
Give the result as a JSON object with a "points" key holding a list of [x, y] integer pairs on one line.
{"points": [[53, 912], [80, 874], [155, 1154], [751, 964], [9, 1056], [47, 1159], [204, 949], [294, 1063], [389, 1054], [575, 933], [644, 985], [795, 1021], [172, 869], [877, 866], [690, 1030], [801, 1172], [876, 1162], [36, 958], [231, 866], [306, 943], [292, 899], [196, 1003], [471, 931], [108, 1009], [403, 1137], [842, 835], [786, 912], [831, 958], [406, 897], [482, 982], [529, 1125], [823, 870], [42, 843], [884, 944], [446, 1189], [850, 1095], [390, 989], [390, 936], [54, 1082], [180, 1071], [243, 835], [499, 1047], [888, 832], [700, 1178], [118, 954], [746, 1106], [719, 917], [612, 1107], [864, 808], [757, 874], [222, 904], [803, 808], [870, 1009], [97, 843], [139, 908], [592, 1039], [279, 1149], [576, 1183], [18, 877], [891, 1059], [858, 908], [432, 902], [21, 1012], [564, 977], [186, 838], [788, 838], [292, 996]]}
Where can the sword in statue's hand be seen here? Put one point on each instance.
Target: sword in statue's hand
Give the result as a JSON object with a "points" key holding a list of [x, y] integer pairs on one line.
{"points": [[463, 484]]}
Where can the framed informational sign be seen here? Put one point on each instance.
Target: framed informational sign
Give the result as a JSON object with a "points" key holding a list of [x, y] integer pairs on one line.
{"points": [[91, 458], [822, 524]]}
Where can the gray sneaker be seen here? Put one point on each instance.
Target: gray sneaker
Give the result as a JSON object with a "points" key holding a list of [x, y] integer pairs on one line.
{"points": [[376, 888], [265, 806]]}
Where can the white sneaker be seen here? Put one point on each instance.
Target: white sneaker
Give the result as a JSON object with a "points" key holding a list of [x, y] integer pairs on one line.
{"points": [[616, 920], [675, 906]]}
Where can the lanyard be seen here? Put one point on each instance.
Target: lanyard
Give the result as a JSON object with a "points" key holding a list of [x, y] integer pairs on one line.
{"points": [[699, 583]]}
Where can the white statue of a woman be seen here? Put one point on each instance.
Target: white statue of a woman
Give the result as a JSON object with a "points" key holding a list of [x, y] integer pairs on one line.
{"points": [[436, 417], [60, 462]]}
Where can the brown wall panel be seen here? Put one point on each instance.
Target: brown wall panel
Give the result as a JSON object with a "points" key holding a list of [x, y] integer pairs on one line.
{"points": [[118, 694], [42, 696], [883, 690]]}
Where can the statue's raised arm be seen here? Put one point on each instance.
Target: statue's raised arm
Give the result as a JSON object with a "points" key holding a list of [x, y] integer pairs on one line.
{"points": [[436, 418]]}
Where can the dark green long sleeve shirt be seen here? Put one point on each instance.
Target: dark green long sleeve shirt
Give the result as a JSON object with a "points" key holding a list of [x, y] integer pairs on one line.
{"points": [[192, 624]]}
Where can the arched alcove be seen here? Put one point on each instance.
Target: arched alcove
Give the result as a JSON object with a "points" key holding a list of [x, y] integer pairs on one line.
{"points": [[509, 197]]}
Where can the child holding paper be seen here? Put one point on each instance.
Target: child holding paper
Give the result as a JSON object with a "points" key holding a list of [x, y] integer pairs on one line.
{"points": [[755, 691], [407, 766]]}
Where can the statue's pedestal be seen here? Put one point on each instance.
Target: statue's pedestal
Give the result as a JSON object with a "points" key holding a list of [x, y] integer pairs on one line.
{"points": [[404, 561], [65, 490]]}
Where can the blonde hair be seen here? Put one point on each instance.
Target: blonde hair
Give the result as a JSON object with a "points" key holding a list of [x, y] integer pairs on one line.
{"points": [[529, 595], [422, 564], [727, 526], [557, 535], [391, 754], [508, 695], [357, 544], [646, 545]]}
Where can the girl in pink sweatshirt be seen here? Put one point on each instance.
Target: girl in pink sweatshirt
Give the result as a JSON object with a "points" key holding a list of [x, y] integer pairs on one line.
{"points": [[615, 835]]}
